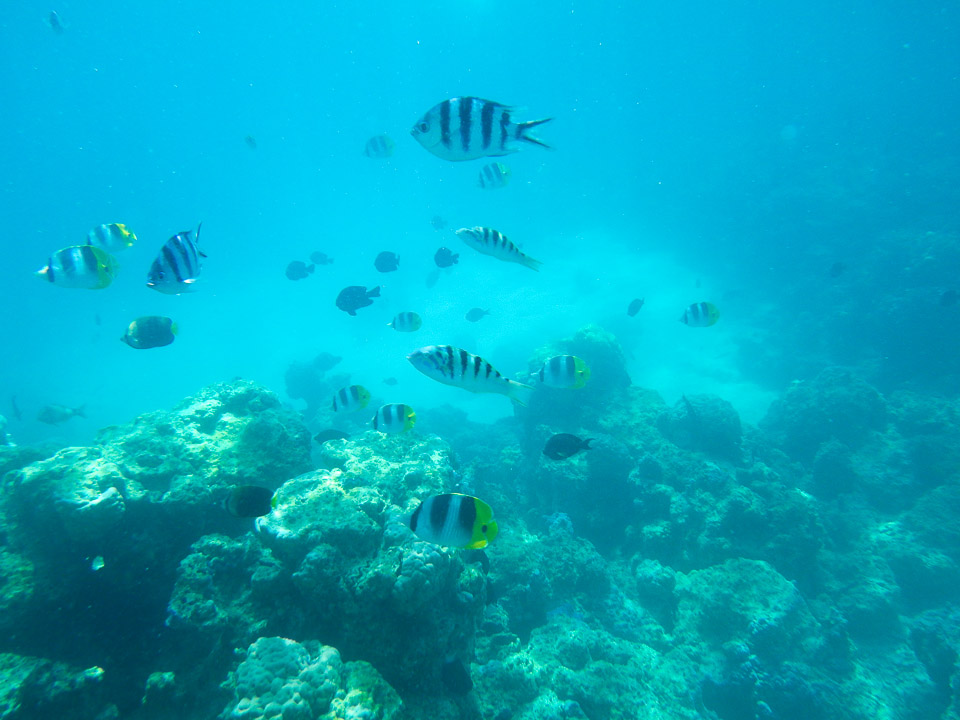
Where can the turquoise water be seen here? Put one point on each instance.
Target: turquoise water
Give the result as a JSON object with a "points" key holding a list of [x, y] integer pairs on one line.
{"points": [[794, 164]]}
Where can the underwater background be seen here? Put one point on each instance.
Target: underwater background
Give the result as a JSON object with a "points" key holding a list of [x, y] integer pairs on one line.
{"points": [[766, 522]]}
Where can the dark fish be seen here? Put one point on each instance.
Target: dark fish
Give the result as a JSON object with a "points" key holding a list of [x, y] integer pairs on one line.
{"points": [[56, 414], [151, 331], [634, 307], [297, 270], [320, 258], [53, 20], [456, 676], [331, 434], [444, 257], [16, 409], [250, 501], [325, 361], [565, 445], [387, 262], [437, 222], [251, 142], [476, 314], [948, 298], [177, 265], [354, 297], [390, 381]]}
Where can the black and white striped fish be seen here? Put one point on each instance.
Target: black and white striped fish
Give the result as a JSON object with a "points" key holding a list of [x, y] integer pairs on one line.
{"points": [[394, 418], [406, 322], [177, 265], [701, 314], [348, 399], [455, 520], [493, 176], [112, 237], [453, 366], [80, 266], [496, 244], [379, 146], [468, 128]]}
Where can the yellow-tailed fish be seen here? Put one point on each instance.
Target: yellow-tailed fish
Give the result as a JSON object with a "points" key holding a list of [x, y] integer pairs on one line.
{"points": [[701, 314], [564, 371], [455, 520], [80, 266]]}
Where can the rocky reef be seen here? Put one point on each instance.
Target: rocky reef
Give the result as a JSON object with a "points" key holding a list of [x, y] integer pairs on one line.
{"points": [[686, 565]]}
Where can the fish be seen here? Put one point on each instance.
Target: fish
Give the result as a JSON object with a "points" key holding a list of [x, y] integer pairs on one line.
{"points": [[564, 445], [330, 434], [250, 501], [634, 307], [112, 237], [493, 176], [177, 265], [701, 314], [387, 262], [251, 141], [455, 676], [453, 366], [564, 371], [97, 563], [455, 520], [83, 267], [15, 408], [476, 314], [476, 556], [467, 128], [350, 399], [354, 297], [394, 418], [150, 331], [379, 146], [406, 322], [56, 414], [53, 20], [298, 270], [320, 258], [437, 222], [948, 298], [491, 242], [444, 257], [390, 381]]}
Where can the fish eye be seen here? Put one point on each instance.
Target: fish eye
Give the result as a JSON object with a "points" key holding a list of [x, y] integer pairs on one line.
{"points": [[423, 127], [483, 529]]}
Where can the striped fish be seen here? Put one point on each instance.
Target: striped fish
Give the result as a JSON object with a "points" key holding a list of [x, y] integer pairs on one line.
{"points": [[495, 175], [455, 520], [564, 371], [112, 237], [406, 322], [348, 399], [379, 146], [495, 244], [468, 128], [394, 418], [177, 266], [453, 366], [701, 314], [80, 266]]}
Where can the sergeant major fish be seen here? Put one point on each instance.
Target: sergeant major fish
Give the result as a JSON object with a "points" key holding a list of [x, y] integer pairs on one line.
{"points": [[495, 244], [177, 265], [453, 366], [467, 128]]}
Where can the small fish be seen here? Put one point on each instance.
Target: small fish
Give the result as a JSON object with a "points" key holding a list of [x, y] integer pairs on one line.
{"points": [[250, 501], [455, 520], [80, 266], [564, 445], [379, 146], [53, 20], [455, 676], [251, 141], [56, 414], [564, 371], [350, 399], [467, 128], [491, 242], [298, 270], [437, 222], [390, 381], [394, 418], [326, 361], [387, 262], [320, 258], [406, 322], [15, 408], [150, 331], [493, 176], [634, 307], [330, 434], [445, 257], [177, 266], [458, 368], [354, 297], [701, 314], [948, 298], [112, 237], [97, 563], [476, 314], [837, 269]]}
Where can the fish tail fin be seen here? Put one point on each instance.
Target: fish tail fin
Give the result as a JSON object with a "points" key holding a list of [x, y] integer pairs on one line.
{"points": [[586, 443], [375, 292], [529, 262], [524, 127], [519, 392], [80, 411], [174, 328]]}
